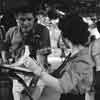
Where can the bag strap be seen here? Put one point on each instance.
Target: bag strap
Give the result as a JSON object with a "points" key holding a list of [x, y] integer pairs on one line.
{"points": [[61, 69]]}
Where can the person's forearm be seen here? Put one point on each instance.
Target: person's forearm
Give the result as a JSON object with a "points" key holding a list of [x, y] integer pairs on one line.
{"points": [[51, 81], [3, 53]]}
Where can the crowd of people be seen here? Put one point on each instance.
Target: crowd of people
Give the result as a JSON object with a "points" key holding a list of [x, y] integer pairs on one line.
{"points": [[78, 77]]}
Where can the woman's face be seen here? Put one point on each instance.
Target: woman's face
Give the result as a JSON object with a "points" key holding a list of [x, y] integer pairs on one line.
{"points": [[25, 21], [68, 42]]}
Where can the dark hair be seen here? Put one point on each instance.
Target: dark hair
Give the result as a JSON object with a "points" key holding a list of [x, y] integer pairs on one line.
{"points": [[53, 11], [8, 20], [98, 26], [24, 8], [75, 29], [92, 38]]}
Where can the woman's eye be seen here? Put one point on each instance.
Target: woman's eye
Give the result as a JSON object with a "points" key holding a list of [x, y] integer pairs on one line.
{"points": [[22, 19], [29, 19]]}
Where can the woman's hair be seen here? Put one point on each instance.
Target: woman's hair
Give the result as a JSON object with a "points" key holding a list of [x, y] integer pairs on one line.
{"points": [[74, 29], [98, 26]]}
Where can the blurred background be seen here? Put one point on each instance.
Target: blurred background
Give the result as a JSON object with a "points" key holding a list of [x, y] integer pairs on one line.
{"points": [[85, 7]]}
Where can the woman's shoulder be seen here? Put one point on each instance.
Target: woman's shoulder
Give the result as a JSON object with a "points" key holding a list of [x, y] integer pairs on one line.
{"points": [[82, 60], [96, 47], [82, 54], [97, 42]]}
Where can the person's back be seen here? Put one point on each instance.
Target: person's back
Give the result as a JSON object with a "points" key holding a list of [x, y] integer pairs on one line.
{"points": [[82, 64], [96, 55]]}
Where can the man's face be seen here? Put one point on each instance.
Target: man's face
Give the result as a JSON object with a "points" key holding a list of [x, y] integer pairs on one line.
{"points": [[25, 21]]}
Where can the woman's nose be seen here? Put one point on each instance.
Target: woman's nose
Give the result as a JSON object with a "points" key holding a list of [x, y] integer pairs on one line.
{"points": [[26, 22]]}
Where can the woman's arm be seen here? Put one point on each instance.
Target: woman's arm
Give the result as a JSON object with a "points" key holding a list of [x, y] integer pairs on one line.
{"points": [[51, 81], [62, 85], [96, 54]]}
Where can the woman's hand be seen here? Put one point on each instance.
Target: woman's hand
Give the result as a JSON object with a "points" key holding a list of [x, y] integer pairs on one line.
{"points": [[33, 65]]}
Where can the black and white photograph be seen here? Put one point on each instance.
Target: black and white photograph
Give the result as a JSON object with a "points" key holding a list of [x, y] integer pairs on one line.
{"points": [[49, 50]]}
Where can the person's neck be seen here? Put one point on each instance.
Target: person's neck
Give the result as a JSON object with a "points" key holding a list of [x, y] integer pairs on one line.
{"points": [[76, 49]]}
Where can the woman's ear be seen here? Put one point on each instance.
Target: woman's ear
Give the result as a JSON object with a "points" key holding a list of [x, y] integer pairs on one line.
{"points": [[17, 21]]}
